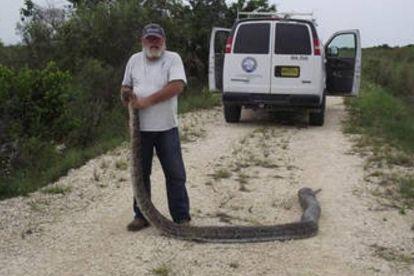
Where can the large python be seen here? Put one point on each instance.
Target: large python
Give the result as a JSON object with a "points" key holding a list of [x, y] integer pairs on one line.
{"points": [[305, 228]]}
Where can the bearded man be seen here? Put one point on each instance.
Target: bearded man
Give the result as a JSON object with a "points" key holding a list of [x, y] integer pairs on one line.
{"points": [[153, 79]]}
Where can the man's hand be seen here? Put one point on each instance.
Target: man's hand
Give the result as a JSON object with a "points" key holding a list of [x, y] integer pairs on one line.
{"points": [[126, 95], [172, 89], [140, 102]]}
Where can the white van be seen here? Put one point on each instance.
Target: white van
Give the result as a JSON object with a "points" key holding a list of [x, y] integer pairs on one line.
{"points": [[278, 62]]}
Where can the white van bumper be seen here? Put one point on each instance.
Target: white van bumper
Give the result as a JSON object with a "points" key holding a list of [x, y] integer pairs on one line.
{"points": [[272, 100]]}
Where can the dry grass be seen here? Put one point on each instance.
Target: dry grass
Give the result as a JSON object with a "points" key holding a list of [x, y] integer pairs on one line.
{"points": [[221, 174], [392, 254], [56, 190], [162, 270]]}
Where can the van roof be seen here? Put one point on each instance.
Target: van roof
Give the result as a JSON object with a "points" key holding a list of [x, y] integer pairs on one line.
{"points": [[311, 24], [275, 19]]}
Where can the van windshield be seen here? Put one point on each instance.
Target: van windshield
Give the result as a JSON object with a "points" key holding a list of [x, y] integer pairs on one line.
{"points": [[252, 38], [292, 39]]}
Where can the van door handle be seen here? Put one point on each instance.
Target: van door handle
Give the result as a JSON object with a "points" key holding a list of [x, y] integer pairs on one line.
{"points": [[241, 80]]}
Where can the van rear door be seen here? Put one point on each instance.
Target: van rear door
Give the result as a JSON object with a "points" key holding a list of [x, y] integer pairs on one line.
{"points": [[247, 64], [295, 70], [343, 63], [216, 58]]}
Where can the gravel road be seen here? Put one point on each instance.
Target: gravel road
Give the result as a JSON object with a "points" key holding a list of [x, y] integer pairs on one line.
{"points": [[246, 173]]}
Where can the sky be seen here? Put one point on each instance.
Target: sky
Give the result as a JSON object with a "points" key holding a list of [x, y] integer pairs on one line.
{"points": [[10, 15], [380, 21]]}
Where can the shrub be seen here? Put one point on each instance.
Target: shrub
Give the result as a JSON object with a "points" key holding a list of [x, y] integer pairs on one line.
{"points": [[391, 68], [34, 114], [380, 114], [96, 95], [35, 103]]}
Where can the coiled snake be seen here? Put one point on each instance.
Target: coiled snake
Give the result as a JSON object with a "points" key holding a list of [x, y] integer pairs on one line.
{"points": [[306, 227]]}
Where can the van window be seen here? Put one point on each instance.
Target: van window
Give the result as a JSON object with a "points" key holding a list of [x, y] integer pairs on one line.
{"points": [[252, 38], [344, 45], [292, 39]]}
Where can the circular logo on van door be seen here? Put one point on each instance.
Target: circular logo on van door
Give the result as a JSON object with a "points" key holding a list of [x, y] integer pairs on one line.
{"points": [[249, 64]]}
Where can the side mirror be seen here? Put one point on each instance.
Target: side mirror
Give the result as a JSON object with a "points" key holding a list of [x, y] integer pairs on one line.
{"points": [[333, 51]]}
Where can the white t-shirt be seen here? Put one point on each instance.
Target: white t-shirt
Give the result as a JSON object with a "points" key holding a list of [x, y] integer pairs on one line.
{"points": [[147, 77]]}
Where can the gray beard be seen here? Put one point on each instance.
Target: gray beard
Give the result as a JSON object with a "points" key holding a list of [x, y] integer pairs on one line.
{"points": [[153, 53]]}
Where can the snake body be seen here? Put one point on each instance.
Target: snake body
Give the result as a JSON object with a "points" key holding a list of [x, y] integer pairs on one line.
{"points": [[305, 228]]}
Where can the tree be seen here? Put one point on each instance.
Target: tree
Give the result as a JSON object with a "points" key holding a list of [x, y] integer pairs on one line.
{"points": [[249, 6], [39, 28], [107, 31], [89, 3]]}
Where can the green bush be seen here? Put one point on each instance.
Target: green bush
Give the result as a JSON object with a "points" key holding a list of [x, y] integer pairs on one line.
{"points": [[392, 68], [380, 114], [385, 106], [96, 88], [34, 115], [197, 98], [35, 103]]}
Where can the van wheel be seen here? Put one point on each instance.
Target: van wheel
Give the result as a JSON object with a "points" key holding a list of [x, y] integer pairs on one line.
{"points": [[232, 113], [318, 118]]}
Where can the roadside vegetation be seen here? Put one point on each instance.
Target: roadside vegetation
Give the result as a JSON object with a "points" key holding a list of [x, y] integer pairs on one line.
{"points": [[380, 114], [59, 88], [384, 114]]}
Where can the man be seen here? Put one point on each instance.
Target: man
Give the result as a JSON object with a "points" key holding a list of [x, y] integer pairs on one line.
{"points": [[153, 79]]}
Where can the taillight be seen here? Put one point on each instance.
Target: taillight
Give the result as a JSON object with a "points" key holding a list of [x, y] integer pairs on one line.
{"points": [[228, 44], [317, 46]]}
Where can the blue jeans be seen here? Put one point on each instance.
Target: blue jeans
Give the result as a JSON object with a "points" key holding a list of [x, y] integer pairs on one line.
{"points": [[168, 149]]}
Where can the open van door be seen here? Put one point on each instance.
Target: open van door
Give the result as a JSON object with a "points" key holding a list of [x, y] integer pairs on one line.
{"points": [[343, 63], [216, 58]]}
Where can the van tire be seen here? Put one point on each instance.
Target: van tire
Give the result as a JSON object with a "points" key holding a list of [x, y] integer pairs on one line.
{"points": [[232, 113], [318, 118]]}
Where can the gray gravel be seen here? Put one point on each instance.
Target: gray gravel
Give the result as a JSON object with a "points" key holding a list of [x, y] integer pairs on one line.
{"points": [[82, 231]]}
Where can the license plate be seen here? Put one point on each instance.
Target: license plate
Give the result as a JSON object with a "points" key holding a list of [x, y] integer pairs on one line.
{"points": [[287, 71]]}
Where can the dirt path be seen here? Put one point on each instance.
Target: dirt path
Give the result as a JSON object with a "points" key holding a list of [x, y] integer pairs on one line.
{"points": [[246, 173]]}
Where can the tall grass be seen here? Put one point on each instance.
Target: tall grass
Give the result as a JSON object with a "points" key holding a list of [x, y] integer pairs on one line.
{"points": [[392, 68], [51, 164], [197, 98], [384, 111], [380, 114], [406, 187], [385, 107]]}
